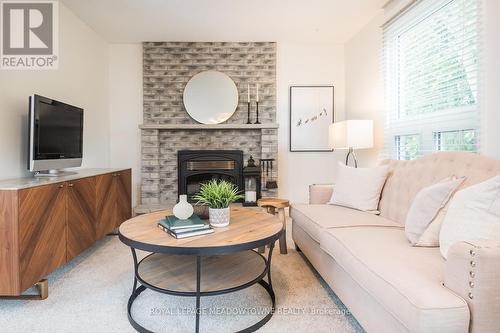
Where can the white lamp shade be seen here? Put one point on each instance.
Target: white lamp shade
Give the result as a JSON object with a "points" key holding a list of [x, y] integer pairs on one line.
{"points": [[356, 134]]}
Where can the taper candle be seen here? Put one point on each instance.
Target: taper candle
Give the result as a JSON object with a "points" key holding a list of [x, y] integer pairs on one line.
{"points": [[248, 92], [248, 113], [257, 92]]}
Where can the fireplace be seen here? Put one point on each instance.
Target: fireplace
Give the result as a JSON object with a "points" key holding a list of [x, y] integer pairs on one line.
{"points": [[198, 166]]}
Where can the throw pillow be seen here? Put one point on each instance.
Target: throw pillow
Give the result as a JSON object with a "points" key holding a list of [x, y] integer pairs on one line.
{"points": [[474, 214], [359, 188], [426, 206], [430, 237]]}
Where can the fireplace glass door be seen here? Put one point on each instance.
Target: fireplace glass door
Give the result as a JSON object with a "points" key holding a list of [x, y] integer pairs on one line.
{"points": [[200, 166]]}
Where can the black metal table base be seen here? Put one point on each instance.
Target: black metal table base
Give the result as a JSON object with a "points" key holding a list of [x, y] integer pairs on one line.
{"points": [[267, 285]]}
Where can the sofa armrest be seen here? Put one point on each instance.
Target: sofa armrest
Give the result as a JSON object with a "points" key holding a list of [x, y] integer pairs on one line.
{"points": [[473, 272], [320, 194]]}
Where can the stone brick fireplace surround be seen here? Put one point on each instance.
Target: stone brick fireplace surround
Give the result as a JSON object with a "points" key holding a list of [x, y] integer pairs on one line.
{"points": [[167, 128]]}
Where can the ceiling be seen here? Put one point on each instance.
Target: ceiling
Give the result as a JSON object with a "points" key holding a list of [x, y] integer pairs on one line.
{"points": [[130, 21]]}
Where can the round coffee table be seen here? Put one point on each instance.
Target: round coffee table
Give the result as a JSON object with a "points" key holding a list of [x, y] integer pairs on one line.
{"points": [[218, 263]]}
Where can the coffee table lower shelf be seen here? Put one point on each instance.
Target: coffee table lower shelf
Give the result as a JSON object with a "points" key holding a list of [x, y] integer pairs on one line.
{"points": [[197, 276]]}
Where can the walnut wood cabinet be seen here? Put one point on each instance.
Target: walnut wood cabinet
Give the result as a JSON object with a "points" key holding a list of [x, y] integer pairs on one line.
{"points": [[43, 226], [81, 216], [113, 201]]}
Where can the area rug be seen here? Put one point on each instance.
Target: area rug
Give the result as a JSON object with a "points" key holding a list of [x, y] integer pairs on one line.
{"points": [[90, 294]]}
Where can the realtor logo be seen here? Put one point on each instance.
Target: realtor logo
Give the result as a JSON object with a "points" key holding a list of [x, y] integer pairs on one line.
{"points": [[29, 35]]}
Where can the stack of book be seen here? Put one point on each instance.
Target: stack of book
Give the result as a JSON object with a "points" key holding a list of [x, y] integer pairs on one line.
{"points": [[190, 227]]}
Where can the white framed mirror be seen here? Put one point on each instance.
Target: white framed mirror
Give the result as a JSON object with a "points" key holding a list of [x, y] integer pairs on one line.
{"points": [[210, 97]]}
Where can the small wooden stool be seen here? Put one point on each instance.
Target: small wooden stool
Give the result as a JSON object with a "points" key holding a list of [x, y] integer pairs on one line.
{"points": [[271, 204]]}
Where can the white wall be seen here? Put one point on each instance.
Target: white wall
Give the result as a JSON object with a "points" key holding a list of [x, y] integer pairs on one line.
{"points": [[491, 83], [125, 104], [80, 80], [303, 63], [365, 84]]}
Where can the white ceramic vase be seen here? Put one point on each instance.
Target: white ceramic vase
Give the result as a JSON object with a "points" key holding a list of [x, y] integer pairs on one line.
{"points": [[219, 217], [183, 210]]}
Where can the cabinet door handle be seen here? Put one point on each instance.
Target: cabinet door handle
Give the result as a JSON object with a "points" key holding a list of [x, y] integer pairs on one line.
{"points": [[71, 185], [61, 185]]}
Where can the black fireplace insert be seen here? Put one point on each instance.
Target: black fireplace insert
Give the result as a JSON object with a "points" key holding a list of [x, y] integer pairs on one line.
{"points": [[196, 167]]}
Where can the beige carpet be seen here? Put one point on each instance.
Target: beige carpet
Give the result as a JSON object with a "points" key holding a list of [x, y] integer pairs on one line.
{"points": [[90, 295]]}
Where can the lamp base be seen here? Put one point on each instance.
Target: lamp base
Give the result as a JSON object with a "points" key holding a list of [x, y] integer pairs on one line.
{"points": [[351, 152]]}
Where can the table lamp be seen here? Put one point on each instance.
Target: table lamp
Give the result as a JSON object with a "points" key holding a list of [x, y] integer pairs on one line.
{"points": [[351, 134]]}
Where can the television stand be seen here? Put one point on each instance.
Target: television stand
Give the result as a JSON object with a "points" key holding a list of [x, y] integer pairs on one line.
{"points": [[54, 173], [46, 222]]}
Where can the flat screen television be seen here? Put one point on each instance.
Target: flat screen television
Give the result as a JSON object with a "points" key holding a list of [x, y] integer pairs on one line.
{"points": [[55, 136]]}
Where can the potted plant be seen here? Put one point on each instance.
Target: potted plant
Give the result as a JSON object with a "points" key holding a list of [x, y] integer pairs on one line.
{"points": [[218, 195]]}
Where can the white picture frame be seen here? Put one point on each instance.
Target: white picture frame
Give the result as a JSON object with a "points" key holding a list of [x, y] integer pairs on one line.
{"points": [[311, 114]]}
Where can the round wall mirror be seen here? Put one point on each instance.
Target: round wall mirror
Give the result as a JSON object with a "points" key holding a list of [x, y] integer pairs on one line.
{"points": [[210, 97]]}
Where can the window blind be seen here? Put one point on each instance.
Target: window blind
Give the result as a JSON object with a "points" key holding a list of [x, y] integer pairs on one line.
{"points": [[431, 62]]}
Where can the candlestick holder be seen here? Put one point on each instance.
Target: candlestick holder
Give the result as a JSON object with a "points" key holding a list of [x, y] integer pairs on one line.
{"points": [[257, 109], [248, 116]]}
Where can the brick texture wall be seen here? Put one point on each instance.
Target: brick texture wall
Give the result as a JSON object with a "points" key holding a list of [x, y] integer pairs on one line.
{"points": [[167, 67]]}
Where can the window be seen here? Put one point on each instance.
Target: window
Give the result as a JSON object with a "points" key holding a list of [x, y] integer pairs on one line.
{"points": [[407, 146], [431, 70], [464, 140]]}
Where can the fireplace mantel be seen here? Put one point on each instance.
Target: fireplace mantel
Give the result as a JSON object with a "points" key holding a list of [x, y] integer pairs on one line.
{"points": [[208, 127]]}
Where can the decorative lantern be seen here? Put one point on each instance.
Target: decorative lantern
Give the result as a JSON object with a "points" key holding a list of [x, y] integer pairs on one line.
{"points": [[251, 178]]}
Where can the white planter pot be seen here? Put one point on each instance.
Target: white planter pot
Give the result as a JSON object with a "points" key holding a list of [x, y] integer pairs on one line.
{"points": [[183, 210], [219, 217]]}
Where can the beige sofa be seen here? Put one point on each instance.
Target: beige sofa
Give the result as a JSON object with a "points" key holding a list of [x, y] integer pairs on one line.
{"points": [[388, 285]]}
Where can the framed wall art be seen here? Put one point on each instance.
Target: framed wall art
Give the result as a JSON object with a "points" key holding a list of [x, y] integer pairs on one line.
{"points": [[311, 113]]}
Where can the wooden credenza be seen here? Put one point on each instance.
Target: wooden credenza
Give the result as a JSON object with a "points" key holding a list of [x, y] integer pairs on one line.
{"points": [[45, 223]]}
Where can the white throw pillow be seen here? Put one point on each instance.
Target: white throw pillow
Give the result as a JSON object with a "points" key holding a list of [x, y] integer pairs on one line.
{"points": [[474, 214], [425, 208], [430, 237], [359, 188]]}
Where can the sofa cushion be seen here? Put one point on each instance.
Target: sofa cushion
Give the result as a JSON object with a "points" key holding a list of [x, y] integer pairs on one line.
{"points": [[426, 207], [314, 219], [359, 188], [474, 213], [406, 280]]}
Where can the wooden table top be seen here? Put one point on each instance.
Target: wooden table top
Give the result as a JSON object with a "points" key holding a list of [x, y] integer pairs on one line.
{"points": [[247, 230]]}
